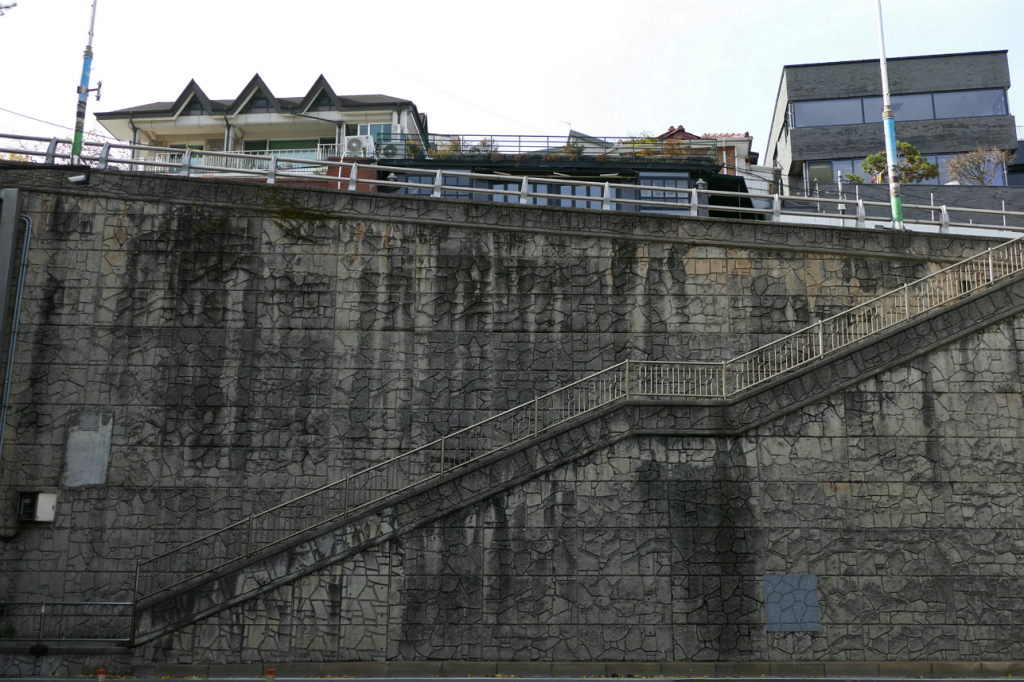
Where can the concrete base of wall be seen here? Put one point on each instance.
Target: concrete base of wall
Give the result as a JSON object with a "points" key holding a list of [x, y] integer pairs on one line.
{"points": [[737, 669]]}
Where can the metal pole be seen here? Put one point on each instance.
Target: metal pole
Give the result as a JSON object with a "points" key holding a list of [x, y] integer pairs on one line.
{"points": [[442, 454], [248, 538], [83, 91], [42, 615], [889, 124]]}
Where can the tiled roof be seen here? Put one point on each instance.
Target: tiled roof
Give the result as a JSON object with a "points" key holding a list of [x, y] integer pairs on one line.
{"points": [[232, 106], [715, 136]]}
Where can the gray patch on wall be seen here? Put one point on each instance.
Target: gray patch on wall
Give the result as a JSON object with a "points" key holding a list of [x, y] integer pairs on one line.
{"points": [[791, 603], [87, 449]]}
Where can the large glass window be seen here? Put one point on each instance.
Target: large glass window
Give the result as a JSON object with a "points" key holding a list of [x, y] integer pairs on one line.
{"points": [[833, 112], [904, 108], [970, 104], [921, 107]]}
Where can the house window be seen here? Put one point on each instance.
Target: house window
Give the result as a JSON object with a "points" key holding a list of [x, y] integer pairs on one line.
{"points": [[581, 191], [257, 104], [194, 108], [381, 132], [677, 180], [322, 103]]}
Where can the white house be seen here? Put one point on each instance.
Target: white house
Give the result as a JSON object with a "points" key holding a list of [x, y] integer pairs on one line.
{"points": [[320, 125]]}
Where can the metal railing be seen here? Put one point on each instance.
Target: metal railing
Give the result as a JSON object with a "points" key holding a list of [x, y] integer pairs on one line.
{"points": [[66, 621], [627, 379], [534, 148], [549, 191]]}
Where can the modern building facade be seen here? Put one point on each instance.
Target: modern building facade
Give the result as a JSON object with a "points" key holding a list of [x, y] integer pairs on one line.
{"points": [[828, 117]]}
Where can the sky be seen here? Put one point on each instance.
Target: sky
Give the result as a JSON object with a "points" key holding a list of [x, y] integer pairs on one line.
{"points": [[479, 66]]}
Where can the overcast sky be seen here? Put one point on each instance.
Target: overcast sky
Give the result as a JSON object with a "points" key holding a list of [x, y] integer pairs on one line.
{"points": [[480, 66]]}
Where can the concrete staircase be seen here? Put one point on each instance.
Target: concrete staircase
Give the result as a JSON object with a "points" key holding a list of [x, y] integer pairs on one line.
{"points": [[802, 377]]}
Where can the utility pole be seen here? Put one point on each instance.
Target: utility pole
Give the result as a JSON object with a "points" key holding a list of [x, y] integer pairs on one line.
{"points": [[83, 92], [889, 125]]}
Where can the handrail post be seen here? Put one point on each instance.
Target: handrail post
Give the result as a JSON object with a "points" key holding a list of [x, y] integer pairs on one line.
{"points": [[42, 615], [353, 178], [438, 182], [991, 272], [694, 202], [51, 151], [536, 416], [186, 162], [104, 156], [943, 219], [906, 301], [776, 208], [862, 218], [627, 379], [348, 479], [524, 191], [272, 170], [135, 604], [606, 201], [725, 382], [821, 338], [248, 538], [442, 454]]}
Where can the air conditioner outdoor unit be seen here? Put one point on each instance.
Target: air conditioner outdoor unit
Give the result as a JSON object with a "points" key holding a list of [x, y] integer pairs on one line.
{"points": [[392, 150], [359, 145]]}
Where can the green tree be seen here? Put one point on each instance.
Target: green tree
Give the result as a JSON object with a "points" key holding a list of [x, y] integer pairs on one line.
{"points": [[910, 165]]}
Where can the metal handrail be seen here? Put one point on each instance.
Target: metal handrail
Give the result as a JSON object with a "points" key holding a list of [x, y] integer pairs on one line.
{"points": [[630, 378], [612, 196]]}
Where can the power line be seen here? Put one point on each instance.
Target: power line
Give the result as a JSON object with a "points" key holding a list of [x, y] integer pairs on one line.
{"points": [[55, 125]]}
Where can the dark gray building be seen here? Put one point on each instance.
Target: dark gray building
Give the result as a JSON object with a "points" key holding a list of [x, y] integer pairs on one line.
{"points": [[828, 117]]}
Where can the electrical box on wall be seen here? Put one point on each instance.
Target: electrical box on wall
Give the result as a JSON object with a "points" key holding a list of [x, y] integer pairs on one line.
{"points": [[37, 507]]}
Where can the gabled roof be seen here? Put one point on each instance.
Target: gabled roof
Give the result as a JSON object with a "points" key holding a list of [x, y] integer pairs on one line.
{"points": [[283, 105], [320, 84], [191, 90], [254, 85]]}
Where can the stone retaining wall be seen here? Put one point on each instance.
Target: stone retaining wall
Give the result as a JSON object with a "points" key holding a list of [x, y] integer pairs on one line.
{"points": [[248, 343]]}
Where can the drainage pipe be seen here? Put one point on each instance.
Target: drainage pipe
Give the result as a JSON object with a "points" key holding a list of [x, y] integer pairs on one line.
{"points": [[12, 346]]}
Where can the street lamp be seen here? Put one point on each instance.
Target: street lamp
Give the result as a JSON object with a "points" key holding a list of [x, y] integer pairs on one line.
{"points": [[83, 91]]}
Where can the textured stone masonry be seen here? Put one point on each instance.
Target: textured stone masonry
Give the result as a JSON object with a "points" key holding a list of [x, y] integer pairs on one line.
{"points": [[252, 343]]}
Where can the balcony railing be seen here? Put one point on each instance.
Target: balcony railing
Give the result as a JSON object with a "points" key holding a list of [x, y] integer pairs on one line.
{"points": [[540, 148], [838, 211]]}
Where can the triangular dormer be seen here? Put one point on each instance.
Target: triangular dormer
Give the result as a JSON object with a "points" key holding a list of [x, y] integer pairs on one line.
{"points": [[255, 98], [193, 100], [320, 97]]}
